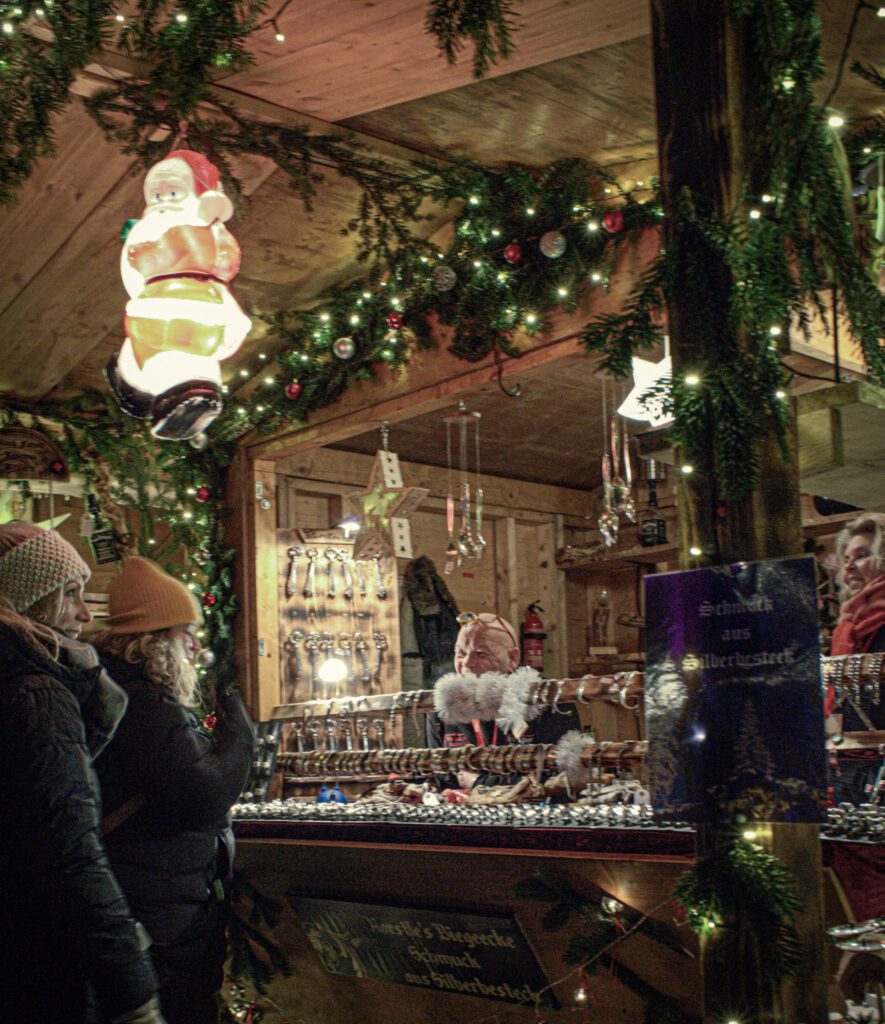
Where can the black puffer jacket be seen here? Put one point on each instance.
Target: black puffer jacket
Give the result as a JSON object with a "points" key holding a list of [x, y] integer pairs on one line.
{"points": [[166, 853], [64, 924]]}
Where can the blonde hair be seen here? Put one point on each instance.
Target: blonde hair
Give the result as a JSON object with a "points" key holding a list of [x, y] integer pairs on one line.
{"points": [[37, 623], [165, 663], [872, 523]]}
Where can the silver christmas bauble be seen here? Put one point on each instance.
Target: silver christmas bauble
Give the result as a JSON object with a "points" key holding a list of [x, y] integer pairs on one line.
{"points": [[344, 348], [205, 658], [199, 442], [443, 278], [552, 244]]}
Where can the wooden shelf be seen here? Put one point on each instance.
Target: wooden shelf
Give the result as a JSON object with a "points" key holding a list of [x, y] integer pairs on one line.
{"points": [[623, 557]]}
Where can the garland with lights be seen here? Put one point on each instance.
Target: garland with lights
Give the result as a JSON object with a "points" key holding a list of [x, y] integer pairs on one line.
{"points": [[737, 895], [789, 233], [606, 923], [177, 494]]}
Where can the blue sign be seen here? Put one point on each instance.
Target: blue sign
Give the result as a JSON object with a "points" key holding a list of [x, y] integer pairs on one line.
{"points": [[733, 693]]}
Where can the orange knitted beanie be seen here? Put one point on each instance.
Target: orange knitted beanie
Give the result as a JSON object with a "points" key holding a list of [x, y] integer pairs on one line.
{"points": [[144, 599]]}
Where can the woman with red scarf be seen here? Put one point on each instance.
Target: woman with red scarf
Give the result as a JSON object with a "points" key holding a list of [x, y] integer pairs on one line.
{"points": [[860, 630]]}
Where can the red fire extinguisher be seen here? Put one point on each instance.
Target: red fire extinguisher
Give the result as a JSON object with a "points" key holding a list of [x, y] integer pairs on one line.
{"points": [[533, 637]]}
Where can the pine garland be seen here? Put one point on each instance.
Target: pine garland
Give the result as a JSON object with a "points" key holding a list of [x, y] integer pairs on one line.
{"points": [[789, 233], [739, 884], [488, 24]]}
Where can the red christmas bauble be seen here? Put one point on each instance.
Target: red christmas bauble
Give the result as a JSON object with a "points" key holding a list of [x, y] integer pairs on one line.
{"points": [[513, 253], [203, 494], [293, 390], [57, 467], [209, 600], [395, 321], [210, 721], [613, 221]]}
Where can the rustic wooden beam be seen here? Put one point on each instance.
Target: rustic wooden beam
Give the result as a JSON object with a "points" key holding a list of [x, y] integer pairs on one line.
{"points": [[702, 77]]}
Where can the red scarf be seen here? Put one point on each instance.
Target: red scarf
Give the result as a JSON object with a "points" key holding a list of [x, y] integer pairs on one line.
{"points": [[860, 618]]}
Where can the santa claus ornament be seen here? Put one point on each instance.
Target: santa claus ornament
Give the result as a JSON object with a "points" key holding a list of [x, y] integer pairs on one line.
{"points": [[181, 318]]}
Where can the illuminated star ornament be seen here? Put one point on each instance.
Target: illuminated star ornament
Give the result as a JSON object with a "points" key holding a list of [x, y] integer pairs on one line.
{"points": [[639, 404], [384, 508]]}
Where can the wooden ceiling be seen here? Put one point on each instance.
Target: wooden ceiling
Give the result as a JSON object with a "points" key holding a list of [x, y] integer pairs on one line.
{"points": [[579, 83]]}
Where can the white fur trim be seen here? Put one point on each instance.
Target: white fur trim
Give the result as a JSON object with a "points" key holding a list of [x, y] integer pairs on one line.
{"points": [[514, 706], [498, 696], [568, 758]]}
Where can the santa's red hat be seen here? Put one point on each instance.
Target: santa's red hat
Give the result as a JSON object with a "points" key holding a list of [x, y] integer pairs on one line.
{"points": [[206, 177]]}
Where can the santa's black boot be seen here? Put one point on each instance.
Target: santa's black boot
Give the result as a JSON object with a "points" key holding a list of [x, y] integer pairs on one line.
{"points": [[185, 410], [133, 402]]}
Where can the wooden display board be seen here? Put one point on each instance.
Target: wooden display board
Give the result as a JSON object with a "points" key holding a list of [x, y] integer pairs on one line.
{"points": [[334, 607]]}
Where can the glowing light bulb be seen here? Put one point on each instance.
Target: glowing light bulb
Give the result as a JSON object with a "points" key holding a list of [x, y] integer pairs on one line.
{"points": [[181, 18], [530, 211], [774, 331], [749, 834], [324, 317], [473, 200], [332, 670], [695, 552], [835, 120], [692, 380], [530, 318], [280, 37], [687, 469], [562, 292], [755, 214]]}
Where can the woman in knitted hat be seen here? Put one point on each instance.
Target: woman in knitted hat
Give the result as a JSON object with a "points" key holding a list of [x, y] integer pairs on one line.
{"points": [[72, 952], [168, 786]]}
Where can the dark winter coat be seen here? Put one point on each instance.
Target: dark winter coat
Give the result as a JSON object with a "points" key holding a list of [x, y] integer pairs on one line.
{"points": [[167, 854], [64, 924]]}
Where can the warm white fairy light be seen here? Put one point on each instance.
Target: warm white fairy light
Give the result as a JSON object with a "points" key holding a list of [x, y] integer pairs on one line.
{"points": [[755, 214], [775, 331], [692, 380], [780, 394], [473, 200], [562, 292], [244, 373], [8, 27], [530, 211], [695, 552], [181, 18], [596, 276], [367, 295], [354, 319], [592, 225], [279, 36], [121, 18], [687, 469], [835, 120], [477, 264], [324, 317], [496, 232], [749, 834]]}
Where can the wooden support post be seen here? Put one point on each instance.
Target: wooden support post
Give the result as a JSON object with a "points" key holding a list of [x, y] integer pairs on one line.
{"points": [[702, 77]]}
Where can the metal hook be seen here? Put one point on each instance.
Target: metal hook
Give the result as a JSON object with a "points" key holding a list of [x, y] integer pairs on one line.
{"points": [[513, 392]]}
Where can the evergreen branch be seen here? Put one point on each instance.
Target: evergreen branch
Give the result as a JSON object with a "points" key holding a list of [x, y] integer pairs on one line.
{"points": [[488, 24]]}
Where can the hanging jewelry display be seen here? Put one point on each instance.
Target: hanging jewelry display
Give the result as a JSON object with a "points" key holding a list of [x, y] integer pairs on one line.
{"points": [[622, 485], [468, 542], [608, 518]]}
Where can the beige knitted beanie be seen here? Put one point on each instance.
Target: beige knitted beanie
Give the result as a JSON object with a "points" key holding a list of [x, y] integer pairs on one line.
{"points": [[144, 599], [34, 562]]}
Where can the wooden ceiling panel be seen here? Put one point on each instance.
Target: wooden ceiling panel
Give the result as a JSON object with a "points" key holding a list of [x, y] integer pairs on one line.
{"points": [[597, 105], [551, 447], [343, 58]]}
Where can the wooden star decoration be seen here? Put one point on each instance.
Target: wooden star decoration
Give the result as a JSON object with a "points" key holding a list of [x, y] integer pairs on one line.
{"points": [[384, 508]]}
